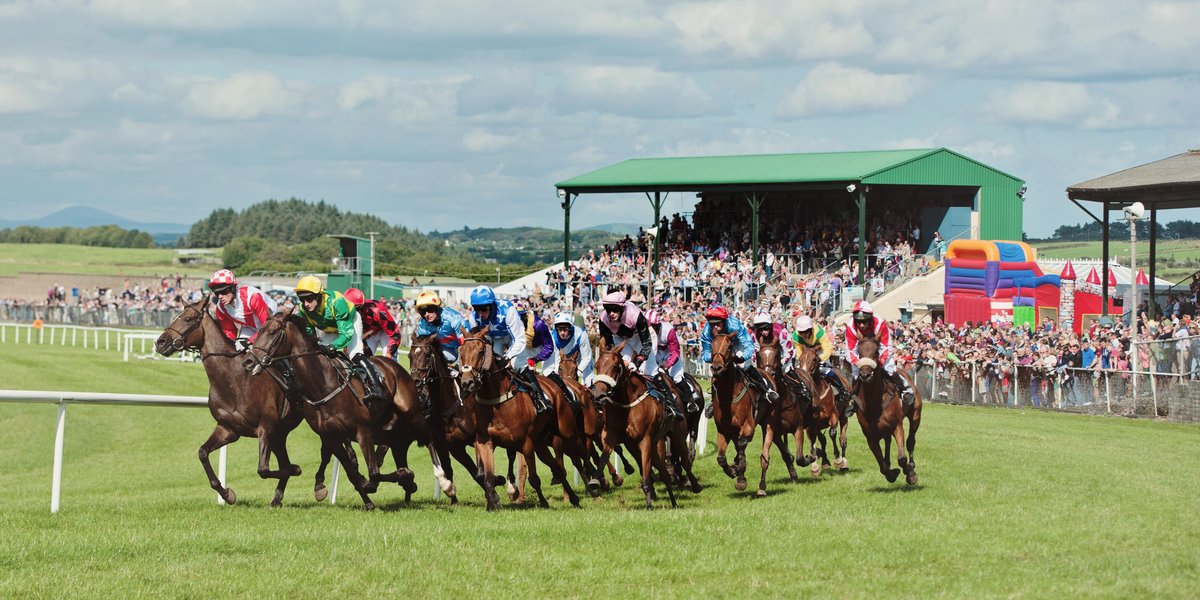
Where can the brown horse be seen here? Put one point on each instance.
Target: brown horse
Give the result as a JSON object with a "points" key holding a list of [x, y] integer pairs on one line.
{"points": [[823, 413], [882, 415], [336, 410], [243, 406], [639, 425], [793, 403], [737, 409], [505, 417], [568, 369]]}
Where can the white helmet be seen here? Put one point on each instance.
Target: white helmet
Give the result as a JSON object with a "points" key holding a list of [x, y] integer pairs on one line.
{"points": [[762, 318], [804, 323], [564, 318]]}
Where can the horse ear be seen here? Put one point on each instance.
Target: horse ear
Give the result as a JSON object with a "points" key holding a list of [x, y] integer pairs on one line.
{"points": [[620, 347], [603, 344]]}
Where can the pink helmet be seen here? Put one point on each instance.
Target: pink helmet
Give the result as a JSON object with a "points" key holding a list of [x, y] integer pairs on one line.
{"points": [[222, 278], [613, 298], [652, 318], [355, 296]]}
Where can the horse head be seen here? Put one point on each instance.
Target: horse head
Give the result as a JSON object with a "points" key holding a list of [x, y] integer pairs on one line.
{"points": [[568, 366], [423, 354], [722, 353], [806, 360], [610, 370], [769, 356], [476, 358], [280, 335], [185, 331], [868, 359]]}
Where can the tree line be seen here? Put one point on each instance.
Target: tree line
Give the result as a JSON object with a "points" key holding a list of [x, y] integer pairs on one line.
{"points": [[108, 236], [1183, 229]]}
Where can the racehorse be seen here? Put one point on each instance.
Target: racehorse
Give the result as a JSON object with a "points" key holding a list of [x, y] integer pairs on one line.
{"points": [[736, 411], [505, 417], [639, 425], [341, 414], [568, 369], [243, 406], [823, 413], [793, 402], [882, 413]]}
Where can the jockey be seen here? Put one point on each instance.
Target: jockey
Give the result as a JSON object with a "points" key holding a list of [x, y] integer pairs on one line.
{"points": [[571, 340], [766, 329], [623, 322], [539, 345], [337, 327], [866, 325], [449, 326], [720, 323], [668, 356], [378, 325], [241, 310], [506, 330], [813, 337]]}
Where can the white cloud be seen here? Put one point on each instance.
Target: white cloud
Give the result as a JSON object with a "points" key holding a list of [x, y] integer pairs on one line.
{"points": [[831, 88], [242, 96], [771, 29], [478, 140], [635, 91], [1052, 102], [404, 101]]}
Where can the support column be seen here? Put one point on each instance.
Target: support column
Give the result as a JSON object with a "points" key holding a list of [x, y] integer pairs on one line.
{"points": [[567, 203], [755, 204], [861, 201], [657, 203], [1104, 262], [1153, 307]]}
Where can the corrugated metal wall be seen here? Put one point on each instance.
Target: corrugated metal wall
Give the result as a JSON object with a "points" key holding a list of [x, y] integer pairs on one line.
{"points": [[1001, 211]]}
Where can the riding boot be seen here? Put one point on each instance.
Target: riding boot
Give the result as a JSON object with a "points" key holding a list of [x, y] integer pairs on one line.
{"points": [[540, 404], [685, 393], [366, 372], [667, 399], [840, 391], [906, 392], [758, 382]]}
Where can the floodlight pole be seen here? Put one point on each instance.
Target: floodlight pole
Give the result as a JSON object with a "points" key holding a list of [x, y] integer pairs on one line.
{"points": [[372, 235], [1133, 269]]}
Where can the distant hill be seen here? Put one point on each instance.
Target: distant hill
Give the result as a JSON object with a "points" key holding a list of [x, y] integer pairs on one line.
{"points": [[619, 229], [527, 245], [83, 216]]}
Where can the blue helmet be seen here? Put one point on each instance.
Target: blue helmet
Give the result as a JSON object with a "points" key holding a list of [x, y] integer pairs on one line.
{"points": [[482, 295]]}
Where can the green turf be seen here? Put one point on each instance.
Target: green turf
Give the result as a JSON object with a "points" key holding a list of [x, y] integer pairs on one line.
{"points": [[66, 258], [1176, 258], [1011, 503]]}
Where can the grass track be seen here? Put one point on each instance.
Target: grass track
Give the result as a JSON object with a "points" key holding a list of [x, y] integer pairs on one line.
{"points": [[70, 259], [1011, 503]]}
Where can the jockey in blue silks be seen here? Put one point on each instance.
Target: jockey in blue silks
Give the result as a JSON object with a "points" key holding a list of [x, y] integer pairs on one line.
{"points": [[507, 333]]}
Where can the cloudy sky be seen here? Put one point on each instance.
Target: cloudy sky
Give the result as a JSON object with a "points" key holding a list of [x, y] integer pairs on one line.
{"points": [[442, 114]]}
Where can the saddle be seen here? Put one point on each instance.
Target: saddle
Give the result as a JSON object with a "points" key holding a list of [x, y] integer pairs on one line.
{"points": [[569, 394]]}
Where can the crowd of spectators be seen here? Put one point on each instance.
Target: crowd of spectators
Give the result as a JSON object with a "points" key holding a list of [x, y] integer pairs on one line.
{"points": [[138, 303]]}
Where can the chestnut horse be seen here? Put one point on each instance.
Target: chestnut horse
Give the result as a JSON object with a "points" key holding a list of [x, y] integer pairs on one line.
{"points": [[737, 409], [641, 426], [336, 410], [824, 413], [243, 406], [793, 403], [505, 417], [882, 413], [568, 369]]}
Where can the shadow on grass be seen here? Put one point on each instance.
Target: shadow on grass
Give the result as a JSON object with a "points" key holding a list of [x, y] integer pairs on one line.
{"points": [[897, 487]]}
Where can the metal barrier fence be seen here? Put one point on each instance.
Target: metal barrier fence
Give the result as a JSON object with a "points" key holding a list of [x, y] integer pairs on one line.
{"points": [[130, 342], [112, 315]]}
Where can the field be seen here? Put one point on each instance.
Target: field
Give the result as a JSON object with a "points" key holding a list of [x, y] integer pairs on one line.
{"points": [[68, 259], [1011, 503], [1176, 258]]}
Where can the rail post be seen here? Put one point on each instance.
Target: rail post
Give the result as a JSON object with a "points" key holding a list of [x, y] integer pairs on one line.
{"points": [[60, 431], [701, 435], [333, 486]]}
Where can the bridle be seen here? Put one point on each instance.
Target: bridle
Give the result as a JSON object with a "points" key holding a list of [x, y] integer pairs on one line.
{"points": [[180, 343], [265, 357], [486, 370]]}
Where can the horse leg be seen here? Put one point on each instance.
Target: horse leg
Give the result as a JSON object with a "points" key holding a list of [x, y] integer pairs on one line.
{"points": [[902, 458], [660, 463], [460, 454], [529, 465], [343, 452], [288, 470], [487, 462], [765, 459], [628, 464], [884, 464], [679, 447], [841, 463], [554, 463], [722, 445], [403, 476], [221, 436], [646, 448], [802, 459], [739, 462], [822, 459], [914, 422], [319, 491], [788, 460], [516, 479], [443, 470]]}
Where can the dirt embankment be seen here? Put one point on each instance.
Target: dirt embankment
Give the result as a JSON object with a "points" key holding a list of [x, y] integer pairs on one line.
{"points": [[34, 286]]}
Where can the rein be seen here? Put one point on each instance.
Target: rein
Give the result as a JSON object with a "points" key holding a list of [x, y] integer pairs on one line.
{"points": [[487, 372]]}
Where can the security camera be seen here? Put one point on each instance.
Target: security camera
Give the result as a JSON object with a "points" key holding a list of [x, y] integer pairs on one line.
{"points": [[850, 188], [1134, 211], [1021, 192], [562, 193]]}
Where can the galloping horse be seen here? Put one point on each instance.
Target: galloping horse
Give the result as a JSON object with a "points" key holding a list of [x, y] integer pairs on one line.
{"points": [[639, 425], [823, 413], [505, 417], [341, 414], [568, 369], [736, 411], [793, 403], [243, 406], [882, 415]]}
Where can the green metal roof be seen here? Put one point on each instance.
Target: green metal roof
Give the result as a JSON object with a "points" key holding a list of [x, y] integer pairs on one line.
{"points": [[696, 172]]}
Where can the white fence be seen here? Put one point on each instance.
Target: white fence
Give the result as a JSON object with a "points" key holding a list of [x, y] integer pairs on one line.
{"points": [[62, 399], [138, 343]]}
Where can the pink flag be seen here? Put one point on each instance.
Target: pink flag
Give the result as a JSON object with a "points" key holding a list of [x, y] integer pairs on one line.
{"points": [[1093, 277], [1141, 277]]}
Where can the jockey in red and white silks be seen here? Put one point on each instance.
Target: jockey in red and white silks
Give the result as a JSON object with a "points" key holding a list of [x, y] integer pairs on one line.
{"points": [[240, 310], [865, 323]]}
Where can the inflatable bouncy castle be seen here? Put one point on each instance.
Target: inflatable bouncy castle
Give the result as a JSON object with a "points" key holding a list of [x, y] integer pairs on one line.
{"points": [[986, 280]]}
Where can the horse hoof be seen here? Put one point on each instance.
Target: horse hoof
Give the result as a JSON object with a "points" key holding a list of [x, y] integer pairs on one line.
{"points": [[760, 494], [295, 470], [453, 500], [740, 484], [276, 503], [911, 478], [321, 493], [370, 487], [892, 475], [697, 488], [593, 485], [369, 506], [409, 487], [618, 481], [543, 504]]}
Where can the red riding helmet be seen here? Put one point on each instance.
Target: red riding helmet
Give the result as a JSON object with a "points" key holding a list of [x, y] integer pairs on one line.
{"points": [[716, 312], [355, 296]]}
